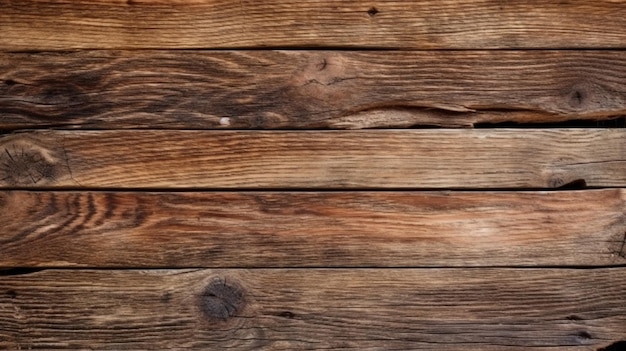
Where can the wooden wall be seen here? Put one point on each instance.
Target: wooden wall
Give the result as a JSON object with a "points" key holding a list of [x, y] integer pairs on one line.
{"points": [[319, 175]]}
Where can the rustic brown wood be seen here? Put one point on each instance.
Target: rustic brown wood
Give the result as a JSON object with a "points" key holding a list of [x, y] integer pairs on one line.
{"points": [[349, 229], [423, 24], [307, 89], [391, 309], [428, 158]]}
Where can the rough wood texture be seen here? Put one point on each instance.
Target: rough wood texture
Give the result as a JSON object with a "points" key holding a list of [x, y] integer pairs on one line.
{"points": [[329, 159], [307, 89], [368, 309], [423, 24], [349, 229]]}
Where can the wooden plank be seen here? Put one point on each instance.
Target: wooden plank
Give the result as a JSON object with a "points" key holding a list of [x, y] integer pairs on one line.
{"points": [[307, 89], [428, 158], [366, 309], [422, 24], [310, 229]]}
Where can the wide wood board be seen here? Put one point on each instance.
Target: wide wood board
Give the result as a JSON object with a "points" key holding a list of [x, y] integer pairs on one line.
{"points": [[307, 89], [312, 229], [287, 309], [381, 159], [422, 24]]}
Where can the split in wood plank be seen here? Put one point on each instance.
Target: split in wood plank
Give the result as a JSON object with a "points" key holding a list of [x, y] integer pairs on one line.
{"points": [[382, 159], [307, 89], [365, 309], [310, 229], [422, 24]]}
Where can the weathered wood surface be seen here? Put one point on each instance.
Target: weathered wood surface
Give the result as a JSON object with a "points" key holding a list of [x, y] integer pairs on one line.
{"points": [[307, 89], [310, 229], [365, 309], [428, 158], [423, 24]]}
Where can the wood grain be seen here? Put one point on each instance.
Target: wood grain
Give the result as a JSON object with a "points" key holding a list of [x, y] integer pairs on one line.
{"points": [[390, 159], [423, 24], [310, 229], [365, 309], [307, 89]]}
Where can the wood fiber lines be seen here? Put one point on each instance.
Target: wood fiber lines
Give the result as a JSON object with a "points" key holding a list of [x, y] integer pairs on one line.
{"points": [[313, 175]]}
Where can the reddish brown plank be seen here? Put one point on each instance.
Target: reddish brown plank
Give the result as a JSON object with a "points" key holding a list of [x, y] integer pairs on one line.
{"points": [[310, 229], [432, 24], [315, 309], [307, 89]]}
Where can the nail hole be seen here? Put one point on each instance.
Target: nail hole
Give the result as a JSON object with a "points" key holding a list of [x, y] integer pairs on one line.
{"points": [[167, 297], [12, 294], [287, 314], [10, 82], [574, 318], [584, 335], [577, 98], [372, 11]]}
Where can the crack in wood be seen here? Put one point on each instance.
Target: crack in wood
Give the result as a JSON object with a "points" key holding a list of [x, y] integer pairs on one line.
{"points": [[616, 346], [622, 251]]}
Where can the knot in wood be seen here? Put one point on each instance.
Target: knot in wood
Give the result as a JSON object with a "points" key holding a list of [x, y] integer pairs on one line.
{"points": [[24, 165], [372, 11], [222, 299]]}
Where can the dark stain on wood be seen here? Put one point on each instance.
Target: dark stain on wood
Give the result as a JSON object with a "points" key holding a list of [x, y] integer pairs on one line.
{"points": [[12, 294]]}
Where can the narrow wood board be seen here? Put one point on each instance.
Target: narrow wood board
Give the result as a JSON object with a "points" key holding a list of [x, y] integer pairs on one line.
{"points": [[310, 229], [307, 89], [314, 160], [366, 309], [422, 24]]}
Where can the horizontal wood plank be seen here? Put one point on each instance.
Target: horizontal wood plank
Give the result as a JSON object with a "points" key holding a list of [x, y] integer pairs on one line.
{"points": [[307, 89], [423, 24], [369, 309], [430, 158], [308, 229]]}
